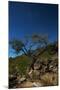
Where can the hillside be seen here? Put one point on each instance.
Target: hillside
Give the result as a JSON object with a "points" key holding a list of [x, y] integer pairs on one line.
{"points": [[45, 67]]}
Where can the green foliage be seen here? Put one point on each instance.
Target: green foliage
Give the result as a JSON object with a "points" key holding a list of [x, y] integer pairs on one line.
{"points": [[41, 39], [21, 62], [52, 48], [17, 45]]}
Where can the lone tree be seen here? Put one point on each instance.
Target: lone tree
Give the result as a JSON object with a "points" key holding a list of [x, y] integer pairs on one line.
{"points": [[33, 44]]}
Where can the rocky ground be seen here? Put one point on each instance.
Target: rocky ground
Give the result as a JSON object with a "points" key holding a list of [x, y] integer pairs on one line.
{"points": [[45, 73]]}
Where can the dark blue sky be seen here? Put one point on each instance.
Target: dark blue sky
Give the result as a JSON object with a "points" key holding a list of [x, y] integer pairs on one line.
{"points": [[28, 18]]}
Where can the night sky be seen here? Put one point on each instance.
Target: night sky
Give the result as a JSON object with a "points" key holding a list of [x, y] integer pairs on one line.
{"points": [[29, 18]]}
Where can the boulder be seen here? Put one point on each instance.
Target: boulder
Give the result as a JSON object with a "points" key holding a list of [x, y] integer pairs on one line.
{"points": [[37, 84]]}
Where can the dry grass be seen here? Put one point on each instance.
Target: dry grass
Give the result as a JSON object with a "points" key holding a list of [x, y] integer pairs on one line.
{"points": [[49, 79]]}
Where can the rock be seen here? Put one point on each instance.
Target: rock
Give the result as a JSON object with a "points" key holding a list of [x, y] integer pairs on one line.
{"points": [[26, 84], [37, 84], [11, 76], [36, 66], [55, 70], [30, 72], [21, 80]]}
